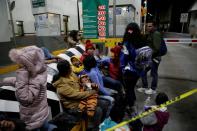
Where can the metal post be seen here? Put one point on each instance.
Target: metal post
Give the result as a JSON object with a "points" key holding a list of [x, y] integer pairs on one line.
{"points": [[145, 8], [182, 27], [114, 18], [144, 29], [78, 15], [12, 23]]}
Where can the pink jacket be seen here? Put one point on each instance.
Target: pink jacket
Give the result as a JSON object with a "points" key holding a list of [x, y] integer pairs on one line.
{"points": [[30, 84]]}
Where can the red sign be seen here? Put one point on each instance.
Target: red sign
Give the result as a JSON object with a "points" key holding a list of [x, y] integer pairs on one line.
{"points": [[101, 21]]}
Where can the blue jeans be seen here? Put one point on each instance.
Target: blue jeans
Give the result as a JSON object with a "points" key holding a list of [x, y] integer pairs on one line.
{"points": [[94, 121], [112, 84], [47, 54], [154, 75], [110, 101]]}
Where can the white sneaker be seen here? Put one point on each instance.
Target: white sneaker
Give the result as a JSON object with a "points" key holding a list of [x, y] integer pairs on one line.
{"points": [[141, 89], [150, 91]]}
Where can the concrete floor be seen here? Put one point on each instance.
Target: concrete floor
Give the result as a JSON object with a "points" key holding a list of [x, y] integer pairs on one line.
{"points": [[178, 74], [183, 115]]}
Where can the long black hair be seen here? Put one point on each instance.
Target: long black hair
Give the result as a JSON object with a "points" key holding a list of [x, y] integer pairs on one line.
{"points": [[133, 35], [64, 69], [74, 34], [89, 62]]}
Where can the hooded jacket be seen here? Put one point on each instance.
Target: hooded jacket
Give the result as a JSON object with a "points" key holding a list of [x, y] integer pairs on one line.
{"points": [[156, 121], [69, 92], [90, 103], [77, 70], [154, 42], [30, 83]]}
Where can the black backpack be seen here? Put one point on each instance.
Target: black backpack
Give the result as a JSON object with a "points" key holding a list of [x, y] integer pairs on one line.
{"points": [[163, 48]]}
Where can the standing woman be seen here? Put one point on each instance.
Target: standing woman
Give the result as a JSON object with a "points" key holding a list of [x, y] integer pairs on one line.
{"points": [[132, 40]]}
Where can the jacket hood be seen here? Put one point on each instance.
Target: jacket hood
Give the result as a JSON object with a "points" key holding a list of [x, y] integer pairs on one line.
{"points": [[75, 58], [31, 57]]}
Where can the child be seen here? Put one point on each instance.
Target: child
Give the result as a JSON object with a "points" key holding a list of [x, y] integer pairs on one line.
{"points": [[30, 83], [156, 120], [89, 50], [77, 66], [113, 63], [91, 102], [111, 68]]}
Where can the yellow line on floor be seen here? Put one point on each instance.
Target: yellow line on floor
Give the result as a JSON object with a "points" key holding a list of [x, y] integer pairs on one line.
{"points": [[8, 69], [14, 67], [59, 51]]}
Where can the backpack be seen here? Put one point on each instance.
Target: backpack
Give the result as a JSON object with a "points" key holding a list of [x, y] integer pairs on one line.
{"points": [[163, 48], [143, 58]]}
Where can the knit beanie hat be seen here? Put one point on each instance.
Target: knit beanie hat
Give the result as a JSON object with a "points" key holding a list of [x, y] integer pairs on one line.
{"points": [[89, 45]]}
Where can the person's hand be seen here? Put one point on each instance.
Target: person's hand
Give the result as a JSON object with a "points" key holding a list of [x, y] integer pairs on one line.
{"points": [[94, 86], [125, 51], [7, 125]]}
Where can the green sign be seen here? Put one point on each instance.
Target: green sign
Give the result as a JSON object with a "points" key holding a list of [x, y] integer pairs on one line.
{"points": [[38, 3], [95, 18]]}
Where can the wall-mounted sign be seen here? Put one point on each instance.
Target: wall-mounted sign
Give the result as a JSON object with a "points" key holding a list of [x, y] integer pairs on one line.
{"points": [[184, 17], [38, 3], [95, 18], [102, 21]]}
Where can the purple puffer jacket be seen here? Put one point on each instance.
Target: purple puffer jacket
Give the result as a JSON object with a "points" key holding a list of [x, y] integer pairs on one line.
{"points": [[30, 84]]}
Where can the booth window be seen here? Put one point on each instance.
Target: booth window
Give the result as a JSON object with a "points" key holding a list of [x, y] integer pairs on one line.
{"points": [[19, 28]]}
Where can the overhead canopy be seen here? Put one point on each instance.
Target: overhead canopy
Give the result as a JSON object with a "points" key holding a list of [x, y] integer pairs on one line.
{"points": [[194, 7]]}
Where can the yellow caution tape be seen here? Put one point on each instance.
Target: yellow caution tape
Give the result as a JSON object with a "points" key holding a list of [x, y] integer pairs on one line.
{"points": [[176, 99]]}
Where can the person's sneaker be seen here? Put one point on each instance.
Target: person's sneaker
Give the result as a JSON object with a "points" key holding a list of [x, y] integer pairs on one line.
{"points": [[141, 89], [150, 91]]}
